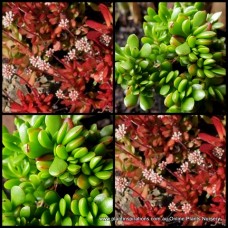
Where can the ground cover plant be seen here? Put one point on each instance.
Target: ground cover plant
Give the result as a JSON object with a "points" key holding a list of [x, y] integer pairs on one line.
{"points": [[182, 58], [175, 166], [57, 170], [61, 64]]}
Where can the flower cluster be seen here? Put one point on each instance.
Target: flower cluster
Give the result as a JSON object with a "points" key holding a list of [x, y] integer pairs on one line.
{"points": [[196, 158], [218, 152], [105, 39], [184, 167], [141, 184], [39, 63], [120, 132], [72, 54], [120, 184], [172, 207], [8, 19], [83, 45], [73, 95], [186, 208], [152, 176], [176, 136], [64, 23], [49, 52], [8, 70], [59, 94]]}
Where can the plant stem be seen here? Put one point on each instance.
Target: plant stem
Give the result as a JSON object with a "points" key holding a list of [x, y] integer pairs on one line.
{"points": [[127, 152]]}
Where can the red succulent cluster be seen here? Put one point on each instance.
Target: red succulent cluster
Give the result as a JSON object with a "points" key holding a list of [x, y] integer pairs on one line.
{"points": [[67, 45], [173, 155]]}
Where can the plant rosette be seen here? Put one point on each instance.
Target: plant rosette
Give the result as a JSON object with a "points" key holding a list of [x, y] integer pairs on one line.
{"points": [[56, 171], [181, 57]]}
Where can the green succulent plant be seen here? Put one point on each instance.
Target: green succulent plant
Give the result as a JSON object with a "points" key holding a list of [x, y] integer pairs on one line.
{"points": [[181, 58], [57, 172]]}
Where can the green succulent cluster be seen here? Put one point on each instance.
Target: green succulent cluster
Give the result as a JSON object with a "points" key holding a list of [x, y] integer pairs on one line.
{"points": [[182, 58], [51, 152]]}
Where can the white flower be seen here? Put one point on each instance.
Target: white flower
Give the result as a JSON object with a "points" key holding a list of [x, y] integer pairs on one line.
{"points": [[196, 158], [172, 207], [184, 167], [8, 70], [83, 45], [141, 184], [162, 165], [218, 152], [120, 184], [39, 63], [73, 95], [186, 208], [72, 54], [152, 176], [59, 94], [64, 23], [28, 71], [105, 39], [8, 19], [176, 135], [120, 132], [49, 52]]}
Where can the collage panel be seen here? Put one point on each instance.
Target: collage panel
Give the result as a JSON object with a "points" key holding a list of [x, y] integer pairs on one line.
{"points": [[170, 170], [64, 63], [170, 57], [57, 170]]}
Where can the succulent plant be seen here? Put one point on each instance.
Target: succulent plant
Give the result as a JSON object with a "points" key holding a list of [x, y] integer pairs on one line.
{"points": [[182, 58], [57, 172]]}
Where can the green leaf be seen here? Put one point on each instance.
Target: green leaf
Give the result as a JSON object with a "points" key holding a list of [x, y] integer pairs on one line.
{"points": [[106, 206], [198, 94], [107, 130], [10, 183], [53, 123], [67, 222], [187, 104], [25, 212], [215, 17], [145, 50], [164, 89], [62, 206], [222, 89], [145, 102], [57, 167], [183, 49], [51, 197], [17, 196], [199, 18], [130, 100], [133, 41], [101, 221]]}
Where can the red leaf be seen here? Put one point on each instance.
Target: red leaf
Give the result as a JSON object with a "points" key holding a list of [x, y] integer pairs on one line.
{"points": [[210, 139], [97, 26], [206, 148], [219, 127], [48, 98], [14, 107], [106, 14]]}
